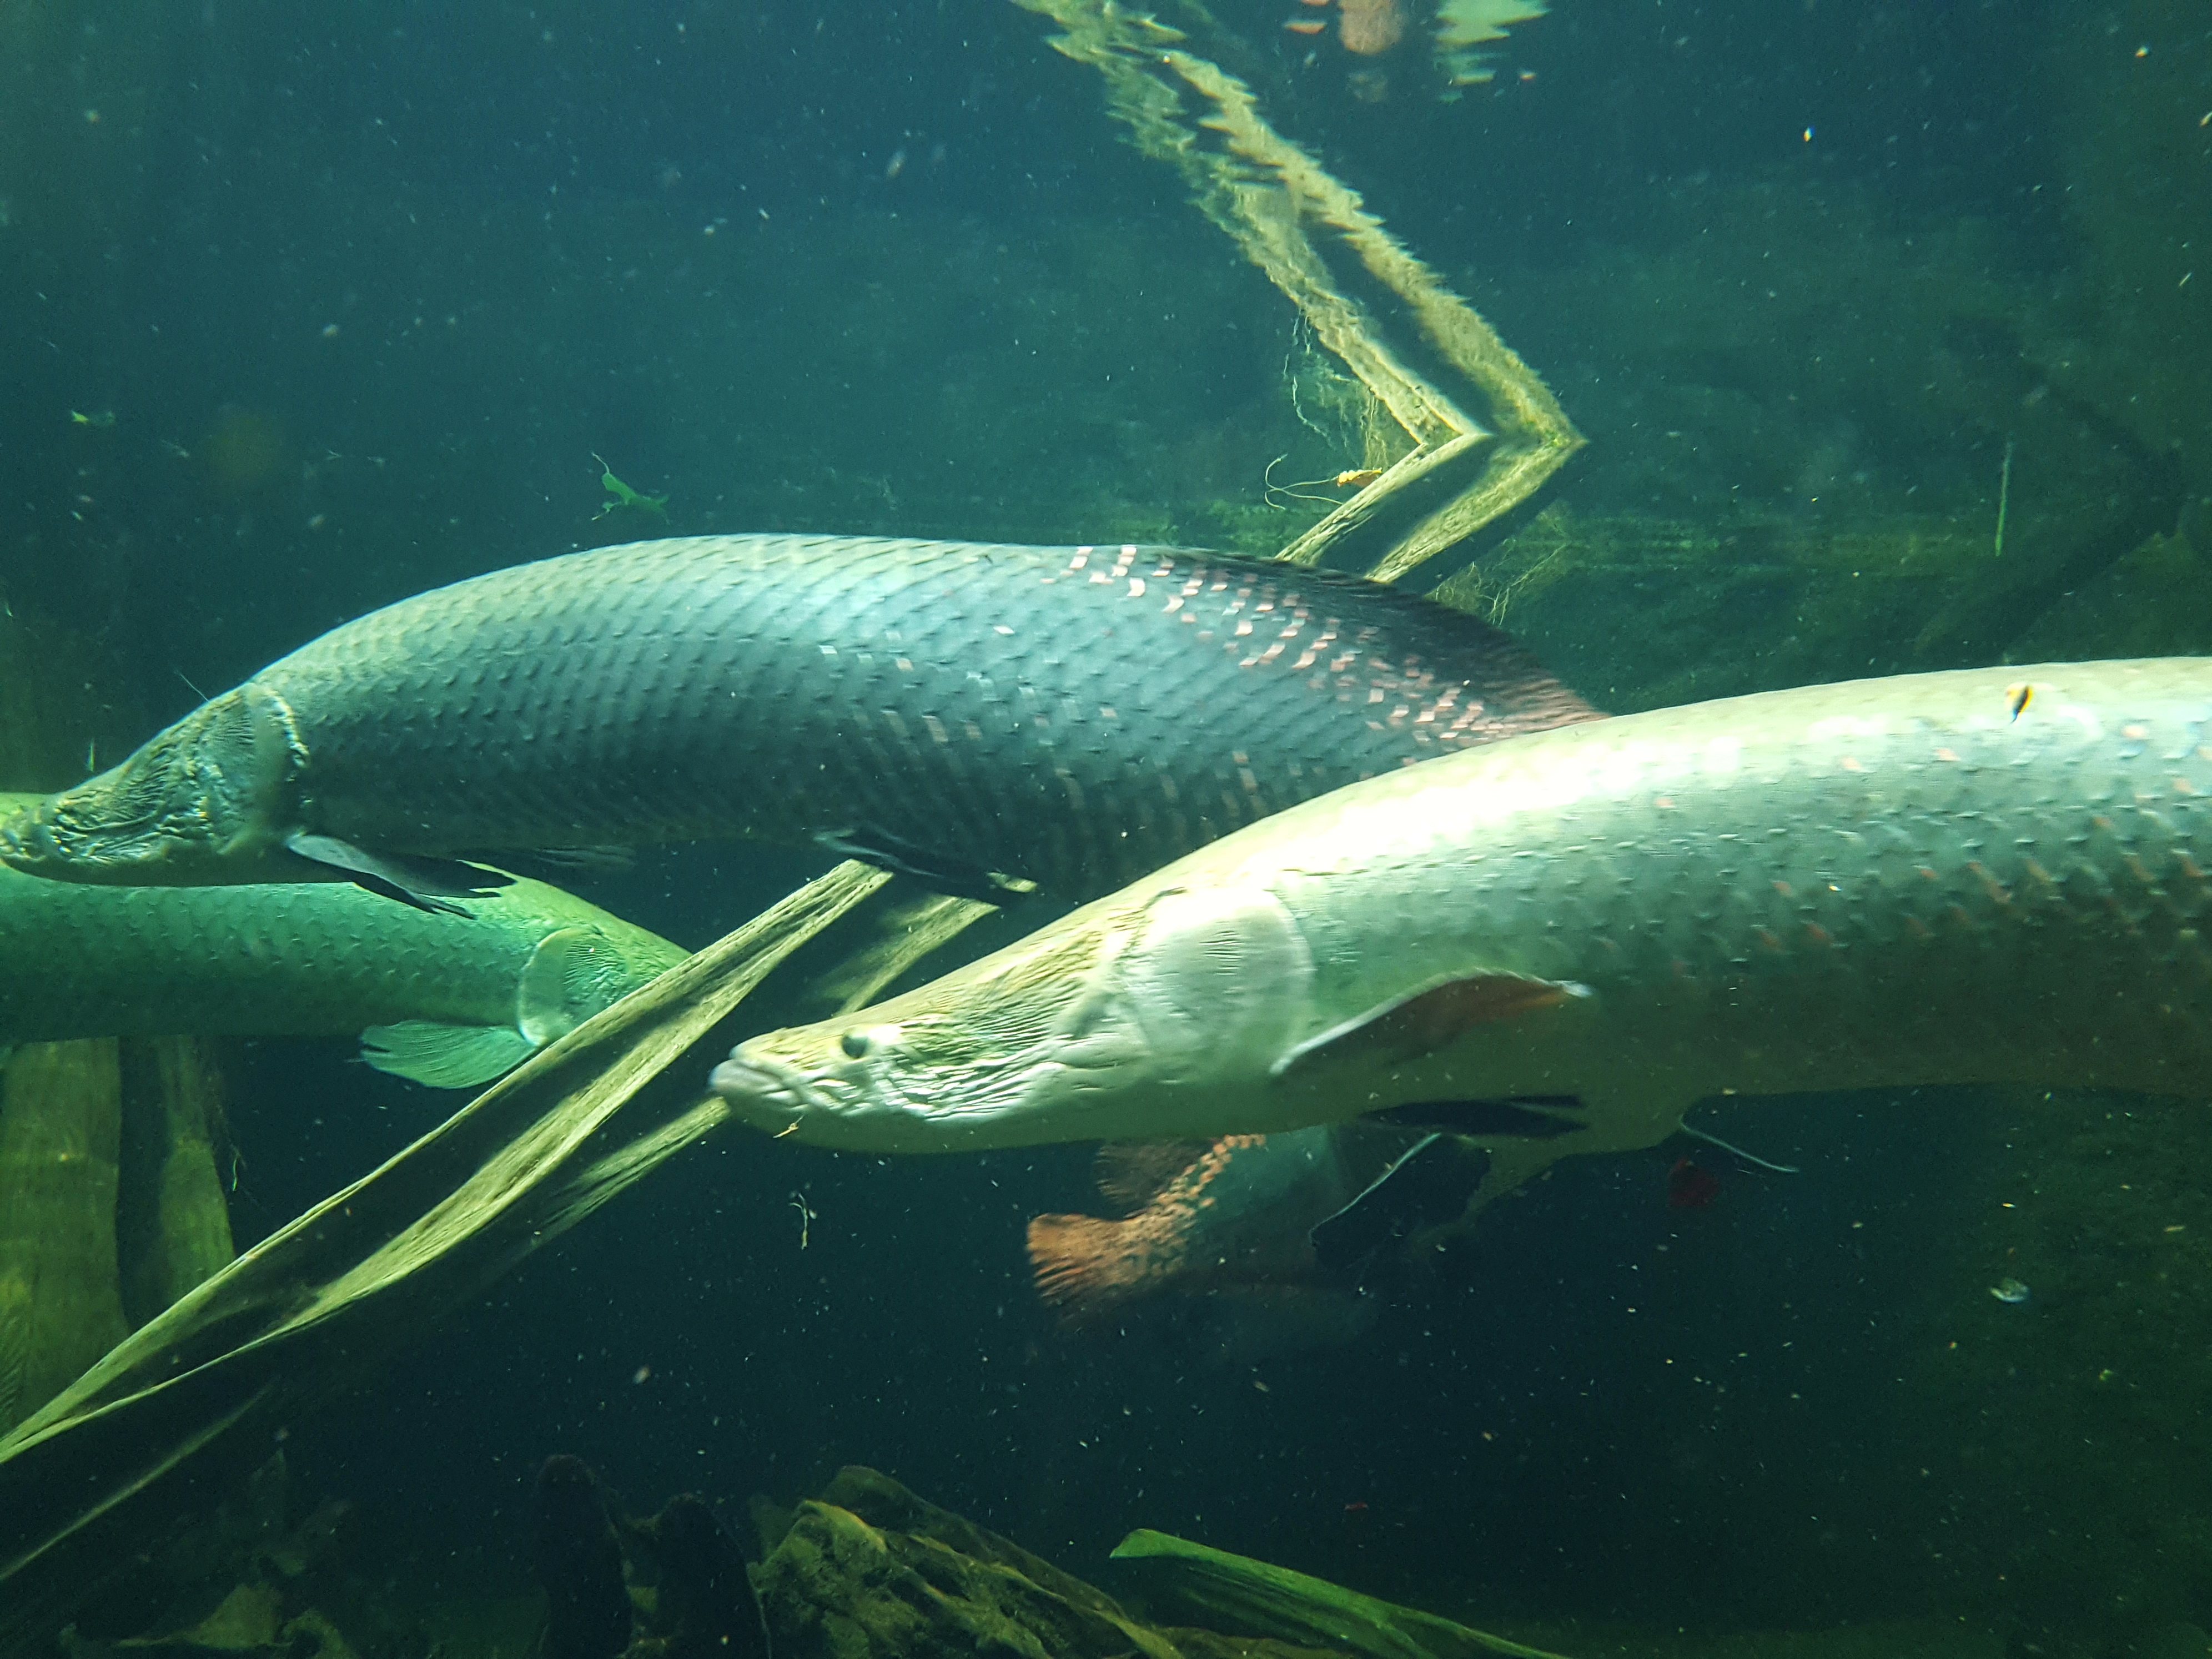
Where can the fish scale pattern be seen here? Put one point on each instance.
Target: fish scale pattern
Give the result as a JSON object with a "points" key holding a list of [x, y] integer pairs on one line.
{"points": [[1074, 716], [312, 959], [1975, 876], [1830, 874]]}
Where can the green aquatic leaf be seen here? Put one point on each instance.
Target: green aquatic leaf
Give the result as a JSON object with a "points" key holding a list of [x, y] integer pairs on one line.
{"points": [[620, 494], [1295, 1607]]}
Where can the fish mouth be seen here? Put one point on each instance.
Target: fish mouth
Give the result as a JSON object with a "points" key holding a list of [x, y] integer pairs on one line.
{"points": [[46, 839], [27, 839], [766, 1093]]}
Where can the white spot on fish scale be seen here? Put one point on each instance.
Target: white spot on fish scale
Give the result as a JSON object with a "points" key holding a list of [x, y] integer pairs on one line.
{"points": [[1136, 588], [2084, 717], [1835, 727], [1082, 558]]}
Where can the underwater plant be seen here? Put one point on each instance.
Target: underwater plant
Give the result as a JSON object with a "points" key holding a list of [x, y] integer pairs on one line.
{"points": [[621, 495]]}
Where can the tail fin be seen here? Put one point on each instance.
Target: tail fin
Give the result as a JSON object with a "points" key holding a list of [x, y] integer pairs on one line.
{"points": [[1087, 1266]]}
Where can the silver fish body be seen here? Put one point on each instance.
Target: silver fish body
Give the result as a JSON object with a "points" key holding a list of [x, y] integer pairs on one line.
{"points": [[452, 1001], [1558, 942], [1071, 717]]}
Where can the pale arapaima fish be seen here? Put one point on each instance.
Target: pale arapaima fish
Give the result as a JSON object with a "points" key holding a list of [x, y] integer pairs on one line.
{"points": [[1558, 942]]}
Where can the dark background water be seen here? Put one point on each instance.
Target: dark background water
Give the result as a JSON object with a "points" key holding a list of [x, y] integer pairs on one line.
{"points": [[366, 290]]}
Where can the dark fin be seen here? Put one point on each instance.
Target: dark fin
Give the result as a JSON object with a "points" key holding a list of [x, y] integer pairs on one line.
{"points": [[1428, 1186], [706, 1604], [1133, 1173], [1431, 1019], [1525, 1117], [551, 862], [426, 883], [936, 871], [579, 1563], [1738, 1152]]}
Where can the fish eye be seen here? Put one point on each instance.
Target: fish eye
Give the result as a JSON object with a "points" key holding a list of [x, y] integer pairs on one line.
{"points": [[855, 1045]]}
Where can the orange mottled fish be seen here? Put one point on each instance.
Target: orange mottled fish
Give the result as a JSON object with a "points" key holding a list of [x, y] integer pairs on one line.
{"points": [[1235, 1213]]}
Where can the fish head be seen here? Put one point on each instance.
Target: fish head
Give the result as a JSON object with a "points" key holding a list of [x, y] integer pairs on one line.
{"points": [[1159, 1016], [200, 804]]}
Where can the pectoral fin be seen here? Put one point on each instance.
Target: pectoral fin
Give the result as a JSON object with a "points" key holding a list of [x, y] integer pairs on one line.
{"points": [[427, 884], [938, 870], [1429, 1019], [445, 1056]]}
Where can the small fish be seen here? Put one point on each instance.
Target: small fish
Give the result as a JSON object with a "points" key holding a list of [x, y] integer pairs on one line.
{"points": [[2009, 1289], [1304, 26], [1241, 1210], [101, 419], [2018, 696]]}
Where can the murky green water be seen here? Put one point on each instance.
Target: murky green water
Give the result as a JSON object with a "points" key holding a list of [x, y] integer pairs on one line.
{"points": [[1885, 326]]}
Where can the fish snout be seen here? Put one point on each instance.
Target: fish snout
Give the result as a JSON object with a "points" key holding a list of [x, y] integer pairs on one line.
{"points": [[28, 842], [763, 1092]]}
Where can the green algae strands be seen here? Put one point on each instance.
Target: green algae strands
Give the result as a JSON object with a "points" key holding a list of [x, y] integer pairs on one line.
{"points": [[1558, 942], [1069, 717]]}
